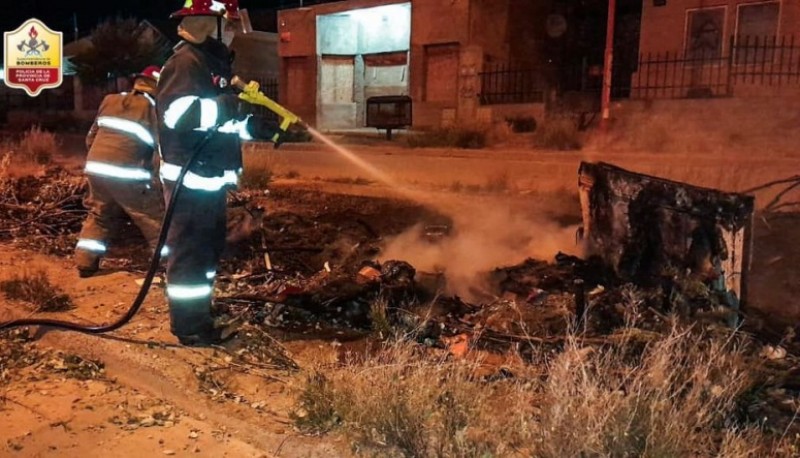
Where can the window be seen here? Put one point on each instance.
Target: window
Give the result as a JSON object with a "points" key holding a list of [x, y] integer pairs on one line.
{"points": [[758, 20], [756, 28], [704, 33]]}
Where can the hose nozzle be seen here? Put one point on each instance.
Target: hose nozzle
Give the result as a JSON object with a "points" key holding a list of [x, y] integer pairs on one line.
{"points": [[251, 93]]}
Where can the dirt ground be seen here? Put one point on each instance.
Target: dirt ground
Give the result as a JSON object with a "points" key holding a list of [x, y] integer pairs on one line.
{"points": [[153, 397]]}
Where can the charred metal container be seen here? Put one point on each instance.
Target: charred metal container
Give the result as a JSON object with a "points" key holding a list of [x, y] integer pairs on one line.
{"points": [[389, 112], [647, 228]]}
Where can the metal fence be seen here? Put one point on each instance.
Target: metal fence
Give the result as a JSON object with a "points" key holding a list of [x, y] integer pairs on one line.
{"points": [[766, 60], [506, 83], [751, 61]]}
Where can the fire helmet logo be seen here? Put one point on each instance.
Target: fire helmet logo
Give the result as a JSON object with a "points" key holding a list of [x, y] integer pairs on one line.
{"points": [[32, 45]]}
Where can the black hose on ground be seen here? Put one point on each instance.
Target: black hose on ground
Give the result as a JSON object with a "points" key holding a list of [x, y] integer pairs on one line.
{"points": [[148, 279]]}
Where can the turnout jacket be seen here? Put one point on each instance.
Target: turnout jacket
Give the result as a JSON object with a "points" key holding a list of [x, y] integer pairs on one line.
{"points": [[194, 96], [123, 136]]}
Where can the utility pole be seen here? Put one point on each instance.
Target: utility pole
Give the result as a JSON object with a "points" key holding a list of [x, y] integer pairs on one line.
{"points": [[607, 66]]}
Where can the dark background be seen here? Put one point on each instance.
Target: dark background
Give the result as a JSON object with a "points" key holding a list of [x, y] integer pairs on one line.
{"points": [[60, 15]]}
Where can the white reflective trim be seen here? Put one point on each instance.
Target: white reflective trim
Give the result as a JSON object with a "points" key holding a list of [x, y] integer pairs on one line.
{"points": [[208, 113], [164, 251], [126, 126], [91, 245], [188, 292], [191, 180], [114, 171], [176, 109], [217, 6], [237, 127], [211, 274], [149, 98]]}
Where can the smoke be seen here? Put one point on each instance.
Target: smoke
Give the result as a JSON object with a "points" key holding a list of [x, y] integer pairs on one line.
{"points": [[483, 238]]}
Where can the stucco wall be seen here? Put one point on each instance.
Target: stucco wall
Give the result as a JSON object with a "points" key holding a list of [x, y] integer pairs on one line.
{"points": [[664, 27]]}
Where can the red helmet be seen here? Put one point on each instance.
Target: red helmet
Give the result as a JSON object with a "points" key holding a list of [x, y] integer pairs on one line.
{"points": [[227, 8], [152, 72]]}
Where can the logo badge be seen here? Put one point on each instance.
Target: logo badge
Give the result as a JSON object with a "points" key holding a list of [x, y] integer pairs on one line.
{"points": [[33, 57]]}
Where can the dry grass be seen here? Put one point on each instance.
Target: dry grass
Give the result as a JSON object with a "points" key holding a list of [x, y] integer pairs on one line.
{"points": [[673, 397], [558, 133], [37, 146], [261, 166], [467, 137], [29, 155], [499, 182], [36, 289]]}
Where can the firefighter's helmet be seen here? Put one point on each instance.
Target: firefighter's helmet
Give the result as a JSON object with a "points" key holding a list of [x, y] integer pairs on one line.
{"points": [[151, 72], [227, 8]]}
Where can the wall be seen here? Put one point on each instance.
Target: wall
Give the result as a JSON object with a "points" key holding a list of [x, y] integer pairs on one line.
{"points": [[664, 27], [256, 54], [439, 31]]}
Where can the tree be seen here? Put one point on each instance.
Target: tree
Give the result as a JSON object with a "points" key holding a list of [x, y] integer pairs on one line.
{"points": [[120, 47]]}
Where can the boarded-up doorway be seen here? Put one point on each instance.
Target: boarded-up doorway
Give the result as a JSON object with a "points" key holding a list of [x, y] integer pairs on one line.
{"points": [[337, 107], [441, 74]]}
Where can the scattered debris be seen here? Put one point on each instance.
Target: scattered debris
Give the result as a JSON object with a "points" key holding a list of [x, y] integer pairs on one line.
{"points": [[74, 366], [16, 351], [145, 413]]}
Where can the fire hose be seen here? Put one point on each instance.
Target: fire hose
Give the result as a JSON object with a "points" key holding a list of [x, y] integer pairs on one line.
{"points": [[250, 93]]}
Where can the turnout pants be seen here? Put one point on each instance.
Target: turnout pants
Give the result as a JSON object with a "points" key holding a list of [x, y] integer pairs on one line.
{"points": [[196, 239], [108, 201]]}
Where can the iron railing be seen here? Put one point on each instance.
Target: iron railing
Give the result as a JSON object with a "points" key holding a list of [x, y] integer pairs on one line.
{"points": [[746, 61], [507, 83]]}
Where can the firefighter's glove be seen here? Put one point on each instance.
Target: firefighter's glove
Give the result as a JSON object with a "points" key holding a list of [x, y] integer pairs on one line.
{"points": [[264, 129], [230, 107]]}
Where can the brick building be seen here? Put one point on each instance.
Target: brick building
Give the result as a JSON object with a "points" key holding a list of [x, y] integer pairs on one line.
{"points": [[335, 56], [718, 48]]}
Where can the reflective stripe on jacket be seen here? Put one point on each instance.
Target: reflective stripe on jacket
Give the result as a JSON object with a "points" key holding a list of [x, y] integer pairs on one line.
{"points": [[191, 100], [124, 133]]}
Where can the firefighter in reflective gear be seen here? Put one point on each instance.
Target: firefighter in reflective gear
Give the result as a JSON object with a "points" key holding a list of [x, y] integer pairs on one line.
{"points": [[198, 112], [119, 167]]}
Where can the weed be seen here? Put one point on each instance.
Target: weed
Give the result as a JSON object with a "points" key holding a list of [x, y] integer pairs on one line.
{"points": [[559, 133], [260, 167], [38, 146], [379, 317], [676, 396], [467, 137], [522, 124], [498, 182], [37, 290], [358, 181], [473, 188], [456, 186], [317, 411]]}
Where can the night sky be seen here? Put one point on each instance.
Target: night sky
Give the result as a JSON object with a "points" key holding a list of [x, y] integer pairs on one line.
{"points": [[58, 14]]}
